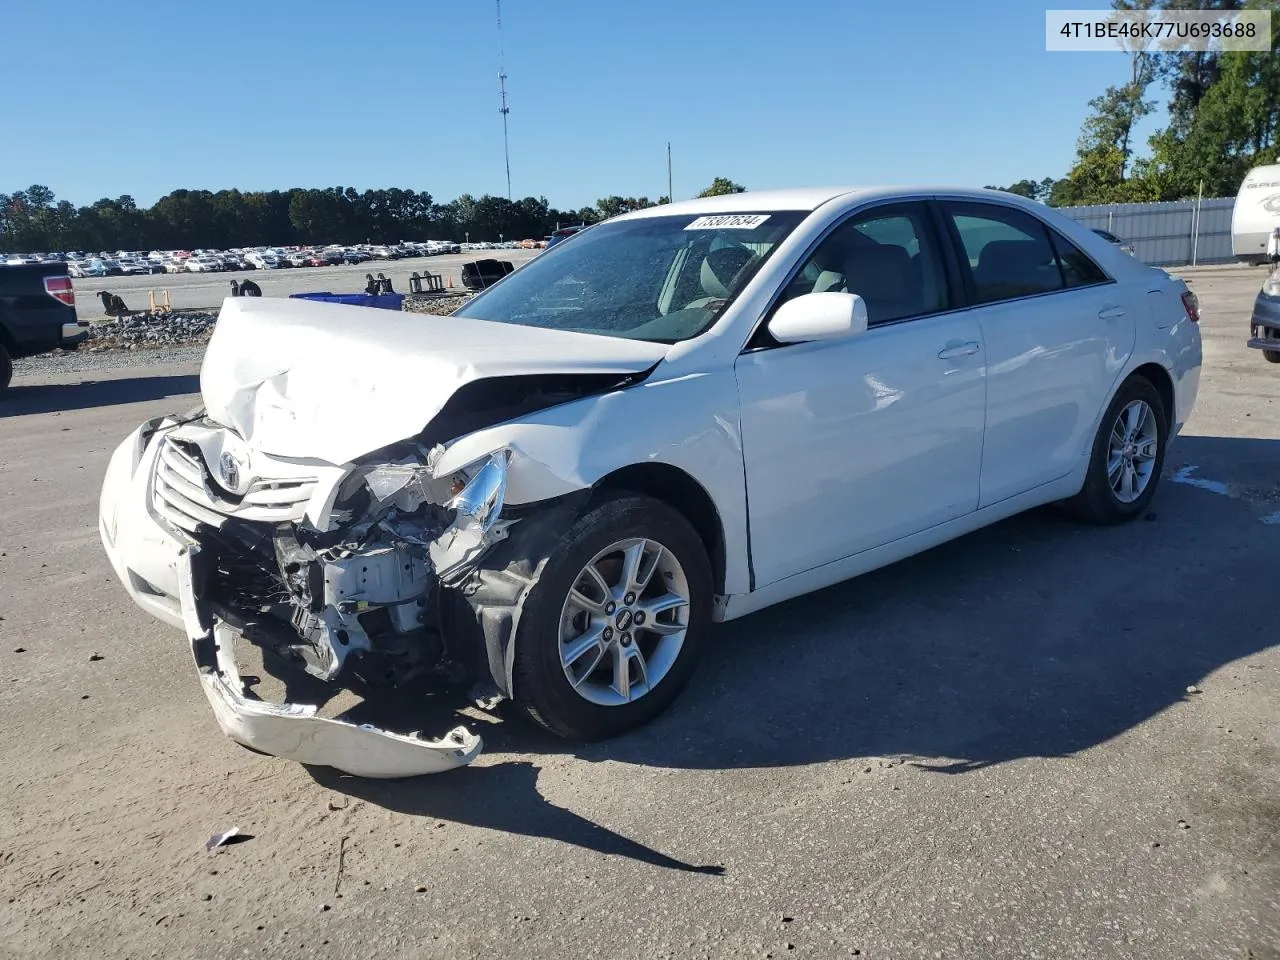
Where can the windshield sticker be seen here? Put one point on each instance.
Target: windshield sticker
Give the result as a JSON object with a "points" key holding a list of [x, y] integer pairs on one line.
{"points": [[729, 221]]}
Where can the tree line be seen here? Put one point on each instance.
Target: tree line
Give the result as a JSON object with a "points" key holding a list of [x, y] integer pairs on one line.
{"points": [[1224, 118], [34, 220]]}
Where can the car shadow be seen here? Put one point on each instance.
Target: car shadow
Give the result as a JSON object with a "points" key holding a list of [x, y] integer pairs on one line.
{"points": [[1036, 637], [22, 400]]}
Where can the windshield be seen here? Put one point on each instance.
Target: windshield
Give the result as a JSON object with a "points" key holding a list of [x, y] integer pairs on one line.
{"points": [[663, 279]]}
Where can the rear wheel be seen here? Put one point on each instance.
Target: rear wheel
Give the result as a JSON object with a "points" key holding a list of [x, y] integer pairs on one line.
{"points": [[1272, 356], [612, 630], [1128, 454], [6, 369]]}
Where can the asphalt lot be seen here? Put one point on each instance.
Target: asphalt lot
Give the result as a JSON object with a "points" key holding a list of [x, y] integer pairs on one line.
{"points": [[985, 751], [207, 290]]}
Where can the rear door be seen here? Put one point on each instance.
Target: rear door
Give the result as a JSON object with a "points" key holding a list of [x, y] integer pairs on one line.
{"points": [[1057, 331]]}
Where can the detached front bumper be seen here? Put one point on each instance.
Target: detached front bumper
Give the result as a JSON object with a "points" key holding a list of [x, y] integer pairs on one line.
{"points": [[160, 569]]}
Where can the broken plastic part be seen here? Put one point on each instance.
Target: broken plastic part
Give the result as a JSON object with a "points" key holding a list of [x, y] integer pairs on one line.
{"points": [[218, 839], [476, 526], [294, 731]]}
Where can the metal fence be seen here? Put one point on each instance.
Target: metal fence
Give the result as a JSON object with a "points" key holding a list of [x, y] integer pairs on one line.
{"points": [[1176, 233]]}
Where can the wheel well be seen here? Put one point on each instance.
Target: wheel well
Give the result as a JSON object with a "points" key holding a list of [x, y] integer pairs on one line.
{"points": [[679, 490], [1159, 378], [7, 341]]}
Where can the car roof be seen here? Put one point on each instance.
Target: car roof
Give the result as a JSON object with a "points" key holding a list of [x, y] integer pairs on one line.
{"points": [[807, 199]]}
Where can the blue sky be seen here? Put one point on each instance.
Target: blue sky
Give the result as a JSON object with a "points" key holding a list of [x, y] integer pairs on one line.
{"points": [[142, 97]]}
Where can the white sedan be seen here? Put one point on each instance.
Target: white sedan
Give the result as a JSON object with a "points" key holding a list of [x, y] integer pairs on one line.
{"points": [[679, 416]]}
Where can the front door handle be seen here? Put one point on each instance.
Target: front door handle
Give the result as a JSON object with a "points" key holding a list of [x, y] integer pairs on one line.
{"points": [[1111, 312], [959, 350]]}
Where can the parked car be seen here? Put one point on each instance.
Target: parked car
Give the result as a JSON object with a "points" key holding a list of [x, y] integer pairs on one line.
{"points": [[203, 264], [1110, 237], [689, 413], [37, 313], [1264, 325], [298, 259]]}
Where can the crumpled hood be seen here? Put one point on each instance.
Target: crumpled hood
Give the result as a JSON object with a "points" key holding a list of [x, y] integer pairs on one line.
{"points": [[314, 380]]}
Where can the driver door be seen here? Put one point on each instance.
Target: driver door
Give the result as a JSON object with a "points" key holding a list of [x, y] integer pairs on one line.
{"points": [[853, 443]]}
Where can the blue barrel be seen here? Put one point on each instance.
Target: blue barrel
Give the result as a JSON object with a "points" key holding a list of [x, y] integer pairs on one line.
{"points": [[383, 301]]}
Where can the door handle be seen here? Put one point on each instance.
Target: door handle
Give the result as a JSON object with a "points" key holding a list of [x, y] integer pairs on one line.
{"points": [[959, 350], [1111, 312]]}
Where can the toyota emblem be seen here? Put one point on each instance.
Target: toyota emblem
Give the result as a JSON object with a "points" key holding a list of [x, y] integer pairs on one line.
{"points": [[229, 470]]}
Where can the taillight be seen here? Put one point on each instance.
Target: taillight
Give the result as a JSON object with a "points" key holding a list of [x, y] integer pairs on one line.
{"points": [[60, 289], [1191, 304]]}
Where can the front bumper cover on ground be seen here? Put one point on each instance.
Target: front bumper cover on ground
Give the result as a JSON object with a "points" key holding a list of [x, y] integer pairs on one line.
{"points": [[295, 731]]}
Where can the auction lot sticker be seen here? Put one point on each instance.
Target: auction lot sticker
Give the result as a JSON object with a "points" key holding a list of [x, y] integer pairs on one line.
{"points": [[729, 221]]}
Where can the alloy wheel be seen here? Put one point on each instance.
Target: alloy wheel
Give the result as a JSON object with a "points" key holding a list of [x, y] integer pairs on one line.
{"points": [[1131, 451], [624, 622]]}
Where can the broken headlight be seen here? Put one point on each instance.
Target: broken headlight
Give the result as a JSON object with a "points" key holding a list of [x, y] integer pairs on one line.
{"points": [[481, 490]]}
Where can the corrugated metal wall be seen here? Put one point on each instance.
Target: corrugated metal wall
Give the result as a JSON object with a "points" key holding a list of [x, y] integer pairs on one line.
{"points": [[1166, 234]]}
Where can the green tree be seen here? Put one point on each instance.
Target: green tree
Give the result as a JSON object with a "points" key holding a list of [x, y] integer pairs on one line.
{"points": [[721, 186]]}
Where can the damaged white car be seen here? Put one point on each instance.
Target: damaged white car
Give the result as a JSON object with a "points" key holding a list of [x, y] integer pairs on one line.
{"points": [[678, 416]]}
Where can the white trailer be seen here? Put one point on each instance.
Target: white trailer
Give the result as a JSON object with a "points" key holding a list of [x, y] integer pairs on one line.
{"points": [[1256, 214]]}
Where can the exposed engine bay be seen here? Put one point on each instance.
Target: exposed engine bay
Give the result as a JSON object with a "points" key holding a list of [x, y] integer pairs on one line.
{"points": [[357, 591]]}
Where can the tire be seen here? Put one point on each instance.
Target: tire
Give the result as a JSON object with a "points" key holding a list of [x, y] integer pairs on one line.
{"points": [[551, 621], [1271, 356], [1102, 501], [6, 370]]}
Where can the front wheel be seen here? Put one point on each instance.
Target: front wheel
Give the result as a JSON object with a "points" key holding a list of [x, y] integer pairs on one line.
{"points": [[1128, 455], [1271, 356], [611, 632]]}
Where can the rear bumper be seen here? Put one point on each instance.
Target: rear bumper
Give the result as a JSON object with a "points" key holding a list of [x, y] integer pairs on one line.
{"points": [[73, 333], [1264, 325]]}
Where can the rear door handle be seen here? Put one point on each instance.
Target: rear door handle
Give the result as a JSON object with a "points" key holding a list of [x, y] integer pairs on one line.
{"points": [[959, 350], [1111, 312]]}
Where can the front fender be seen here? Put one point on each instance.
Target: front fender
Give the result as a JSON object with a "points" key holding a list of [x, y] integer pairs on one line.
{"points": [[689, 422]]}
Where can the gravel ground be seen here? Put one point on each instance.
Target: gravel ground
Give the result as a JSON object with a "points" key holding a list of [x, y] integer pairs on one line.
{"points": [[1041, 740]]}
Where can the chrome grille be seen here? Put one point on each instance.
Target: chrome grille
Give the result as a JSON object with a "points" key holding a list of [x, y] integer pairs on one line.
{"points": [[184, 495]]}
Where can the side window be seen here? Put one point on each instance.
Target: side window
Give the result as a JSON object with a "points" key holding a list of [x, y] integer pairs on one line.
{"points": [[1008, 252], [887, 256], [1077, 269]]}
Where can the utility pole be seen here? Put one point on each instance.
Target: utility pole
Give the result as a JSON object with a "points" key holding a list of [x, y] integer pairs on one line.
{"points": [[503, 108], [671, 197]]}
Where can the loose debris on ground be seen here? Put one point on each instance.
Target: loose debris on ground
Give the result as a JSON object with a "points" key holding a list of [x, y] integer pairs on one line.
{"points": [[434, 304]]}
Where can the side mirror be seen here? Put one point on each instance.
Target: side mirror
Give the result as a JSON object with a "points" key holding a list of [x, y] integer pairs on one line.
{"points": [[819, 316]]}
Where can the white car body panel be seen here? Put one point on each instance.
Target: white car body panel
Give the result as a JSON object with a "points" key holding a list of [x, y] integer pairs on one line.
{"points": [[297, 378], [1052, 362], [853, 443], [823, 460]]}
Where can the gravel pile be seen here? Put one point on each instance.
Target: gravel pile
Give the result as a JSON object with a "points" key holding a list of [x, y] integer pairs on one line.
{"points": [[434, 304], [144, 331]]}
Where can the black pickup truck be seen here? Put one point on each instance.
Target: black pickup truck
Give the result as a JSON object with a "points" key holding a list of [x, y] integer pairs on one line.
{"points": [[37, 313]]}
